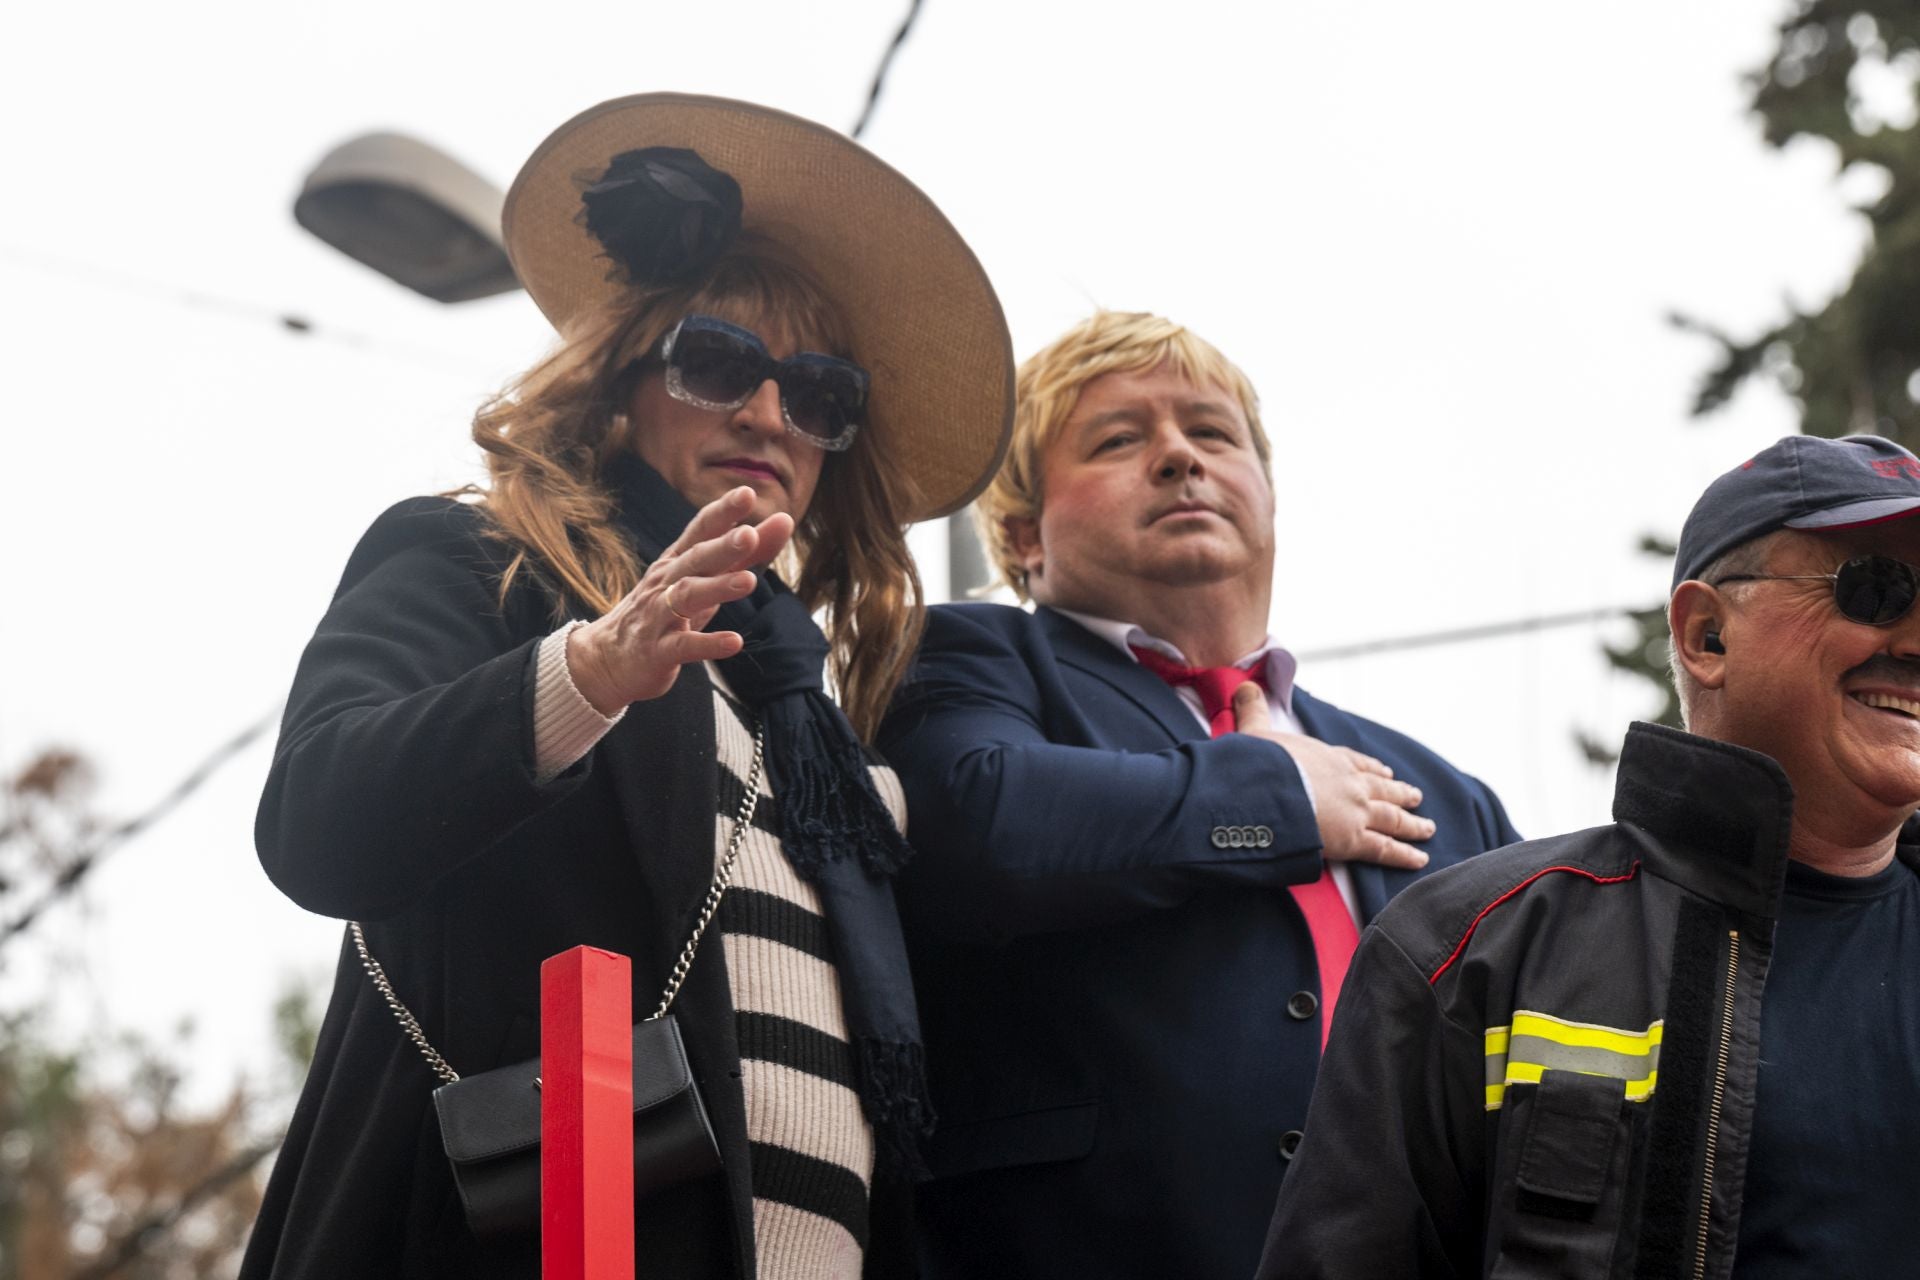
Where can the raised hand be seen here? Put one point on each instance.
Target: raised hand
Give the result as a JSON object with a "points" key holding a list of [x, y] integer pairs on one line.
{"points": [[1364, 813], [635, 650]]}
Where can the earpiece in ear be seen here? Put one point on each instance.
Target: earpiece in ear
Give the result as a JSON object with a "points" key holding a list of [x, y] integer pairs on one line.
{"points": [[1711, 643]]}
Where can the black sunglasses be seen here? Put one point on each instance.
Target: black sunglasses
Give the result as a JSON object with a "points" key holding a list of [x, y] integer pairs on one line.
{"points": [[715, 365], [1876, 590]]}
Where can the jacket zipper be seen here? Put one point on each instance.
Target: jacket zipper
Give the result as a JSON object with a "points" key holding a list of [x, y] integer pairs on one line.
{"points": [[1719, 1096]]}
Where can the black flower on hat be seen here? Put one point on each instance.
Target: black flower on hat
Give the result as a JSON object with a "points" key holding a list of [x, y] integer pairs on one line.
{"points": [[662, 213]]}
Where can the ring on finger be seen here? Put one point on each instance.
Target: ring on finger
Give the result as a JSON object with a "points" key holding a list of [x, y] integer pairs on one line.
{"points": [[669, 598]]}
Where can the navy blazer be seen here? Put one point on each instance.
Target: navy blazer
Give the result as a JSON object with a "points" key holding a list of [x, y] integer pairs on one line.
{"points": [[1119, 1013]]}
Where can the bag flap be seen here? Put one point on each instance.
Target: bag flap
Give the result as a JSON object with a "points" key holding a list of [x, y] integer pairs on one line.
{"points": [[489, 1114], [496, 1112]]}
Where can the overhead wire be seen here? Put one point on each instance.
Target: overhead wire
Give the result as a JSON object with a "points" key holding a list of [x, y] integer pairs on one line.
{"points": [[75, 871], [886, 62], [1464, 635], [292, 322], [240, 308], [221, 755], [190, 298], [83, 864], [134, 1242], [295, 323]]}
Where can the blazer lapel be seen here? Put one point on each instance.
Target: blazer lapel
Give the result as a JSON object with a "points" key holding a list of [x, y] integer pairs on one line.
{"points": [[1327, 723], [1079, 648]]}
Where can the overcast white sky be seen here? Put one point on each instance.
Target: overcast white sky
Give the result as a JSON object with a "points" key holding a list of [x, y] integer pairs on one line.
{"points": [[1441, 239]]}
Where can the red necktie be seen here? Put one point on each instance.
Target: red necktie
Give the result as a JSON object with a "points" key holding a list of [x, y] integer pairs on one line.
{"points": [[1328, 921]]}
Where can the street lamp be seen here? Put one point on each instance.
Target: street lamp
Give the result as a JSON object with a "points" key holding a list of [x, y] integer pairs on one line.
{"points": [[411, 212]]}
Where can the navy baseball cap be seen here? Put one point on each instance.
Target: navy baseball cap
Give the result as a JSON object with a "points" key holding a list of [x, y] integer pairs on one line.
{"points": [[1801, 482]]}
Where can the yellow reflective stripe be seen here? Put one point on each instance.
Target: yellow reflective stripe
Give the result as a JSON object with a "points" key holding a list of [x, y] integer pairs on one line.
{"points": [[1535, 1043], [1637, 1090], [1585, 1034], [1530, 1073]]}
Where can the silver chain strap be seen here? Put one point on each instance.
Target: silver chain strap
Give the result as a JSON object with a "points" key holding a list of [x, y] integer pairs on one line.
{"points": [[408, 1022], [722, 878], [722, 875]]}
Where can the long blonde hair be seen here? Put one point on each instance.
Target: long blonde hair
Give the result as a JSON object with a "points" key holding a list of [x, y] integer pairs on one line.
{"points": [[549, 435]]}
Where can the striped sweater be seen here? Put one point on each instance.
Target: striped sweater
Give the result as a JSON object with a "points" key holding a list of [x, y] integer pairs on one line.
{"points": [[810, 1144], [812, 1149]]}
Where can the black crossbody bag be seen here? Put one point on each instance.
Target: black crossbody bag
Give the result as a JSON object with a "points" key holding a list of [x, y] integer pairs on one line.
{"points": [[490, 1123]]}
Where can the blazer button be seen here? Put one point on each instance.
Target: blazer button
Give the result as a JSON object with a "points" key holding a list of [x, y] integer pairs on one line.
{"points": [[1263, 836], [1220, 837], [1290, 1143], [1302, 1005]]}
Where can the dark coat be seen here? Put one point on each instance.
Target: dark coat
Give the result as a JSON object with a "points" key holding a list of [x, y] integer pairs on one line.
{"points": [[1552, 1066], [1119, 1013], [402, 794]]}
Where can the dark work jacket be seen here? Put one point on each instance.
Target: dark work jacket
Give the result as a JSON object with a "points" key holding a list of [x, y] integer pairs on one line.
{"points": [[1118, 1010], [1548, 1059], [402, 795]]}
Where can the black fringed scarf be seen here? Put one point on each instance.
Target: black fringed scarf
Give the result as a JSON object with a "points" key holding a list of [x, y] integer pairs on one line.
{"points": [[834, 827]]}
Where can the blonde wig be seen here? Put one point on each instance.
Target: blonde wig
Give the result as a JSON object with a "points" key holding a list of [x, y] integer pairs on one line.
{"points": [[1048, 387], [550, 433]]}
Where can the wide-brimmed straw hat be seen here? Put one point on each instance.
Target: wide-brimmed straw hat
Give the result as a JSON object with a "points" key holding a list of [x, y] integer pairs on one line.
{"points": [[924, 319]]}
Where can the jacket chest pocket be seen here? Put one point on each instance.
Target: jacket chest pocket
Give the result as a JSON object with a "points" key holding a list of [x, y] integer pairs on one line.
{"points": [[1560, 1177]]}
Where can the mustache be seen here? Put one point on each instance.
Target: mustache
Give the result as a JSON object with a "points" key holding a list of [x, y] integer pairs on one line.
{"points": [[1904, 672]]}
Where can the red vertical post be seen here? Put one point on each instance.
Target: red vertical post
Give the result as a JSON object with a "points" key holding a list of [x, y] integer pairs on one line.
{"points": [[586, 1116]]}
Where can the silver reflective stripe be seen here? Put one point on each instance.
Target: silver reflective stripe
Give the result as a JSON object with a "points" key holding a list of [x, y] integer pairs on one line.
{"points": [[1535, 1043]]}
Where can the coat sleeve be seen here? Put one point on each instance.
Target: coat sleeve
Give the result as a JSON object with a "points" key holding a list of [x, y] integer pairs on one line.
{"points": [[406, 748], [1017, 834], [1388, 1180]]}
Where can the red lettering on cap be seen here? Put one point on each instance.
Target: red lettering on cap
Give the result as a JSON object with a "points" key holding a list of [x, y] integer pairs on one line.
{"points": [[1893, 468]]}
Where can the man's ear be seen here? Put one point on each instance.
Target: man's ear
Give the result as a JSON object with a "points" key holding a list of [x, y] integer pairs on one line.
{"points": [[1699, 617], [1023, 536]]}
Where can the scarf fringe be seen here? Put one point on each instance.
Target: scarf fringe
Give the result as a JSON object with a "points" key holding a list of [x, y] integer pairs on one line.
{"points": [[835, 829], [829, 808], [893, 1091]]}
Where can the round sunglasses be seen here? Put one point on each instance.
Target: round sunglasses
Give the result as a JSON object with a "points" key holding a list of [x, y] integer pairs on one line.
{"points": [[1875, 590], [715, 365]]}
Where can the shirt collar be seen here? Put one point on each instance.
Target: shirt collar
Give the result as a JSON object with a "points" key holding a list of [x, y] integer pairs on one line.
{"points": [[1282, 666]]}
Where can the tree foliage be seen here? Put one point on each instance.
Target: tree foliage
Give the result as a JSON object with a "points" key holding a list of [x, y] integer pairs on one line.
{"points": [[104, 1172], [1847, 74]]}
